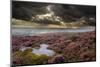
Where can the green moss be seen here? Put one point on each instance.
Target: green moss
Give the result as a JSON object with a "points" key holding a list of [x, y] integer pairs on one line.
{"points": [[29, 58], [17, 54], [26, 52]]}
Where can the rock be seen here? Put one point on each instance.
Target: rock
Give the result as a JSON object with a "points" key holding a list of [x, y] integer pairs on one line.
{"points": [[72, 46], [68, 41], [57, 59]]}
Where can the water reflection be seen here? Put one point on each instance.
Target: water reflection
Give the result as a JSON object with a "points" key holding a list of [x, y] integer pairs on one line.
{"points": [[43, 50], [31, 31]]}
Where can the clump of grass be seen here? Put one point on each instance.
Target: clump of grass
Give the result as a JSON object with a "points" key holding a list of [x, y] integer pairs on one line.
{"points": [[27, 58]]}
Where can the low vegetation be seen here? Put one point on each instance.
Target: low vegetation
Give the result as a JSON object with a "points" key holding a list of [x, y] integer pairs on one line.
{"points": [[27, 58], [68, 47]]}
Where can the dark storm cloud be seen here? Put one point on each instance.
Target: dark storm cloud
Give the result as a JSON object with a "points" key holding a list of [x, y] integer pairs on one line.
{"points": [[25, 10]]}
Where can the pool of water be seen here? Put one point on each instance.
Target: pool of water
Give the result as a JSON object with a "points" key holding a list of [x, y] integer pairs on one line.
{"points": [[34, 31], [43, 50], [40, 51]]}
